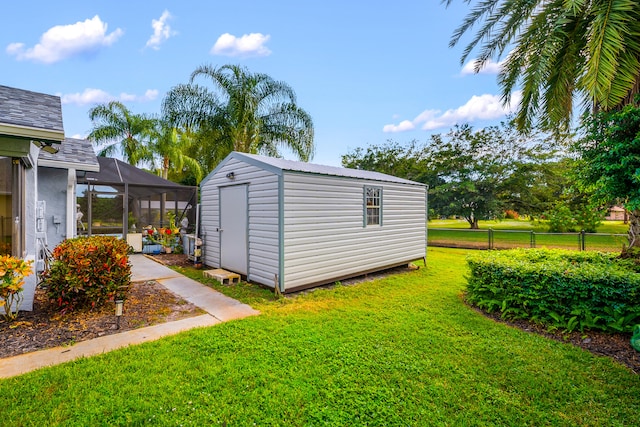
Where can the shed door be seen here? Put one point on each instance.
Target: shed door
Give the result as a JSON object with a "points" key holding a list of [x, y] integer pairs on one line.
{"points": [[233, 228]]}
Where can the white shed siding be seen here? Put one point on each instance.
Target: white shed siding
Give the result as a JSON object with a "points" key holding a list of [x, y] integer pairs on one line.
{"points": [[263, 217], [324, 233]]}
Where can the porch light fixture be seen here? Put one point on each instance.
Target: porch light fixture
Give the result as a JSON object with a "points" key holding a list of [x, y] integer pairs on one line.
{"points": [[119, 309], [231, 175]]}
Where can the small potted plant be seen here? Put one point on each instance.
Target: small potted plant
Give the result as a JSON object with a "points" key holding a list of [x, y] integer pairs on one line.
{"points": [[151, 240], [168, 240], [170, 234]]}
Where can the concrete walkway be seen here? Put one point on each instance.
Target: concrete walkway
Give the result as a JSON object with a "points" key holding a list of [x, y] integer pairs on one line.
{"points": [[219, 308]]}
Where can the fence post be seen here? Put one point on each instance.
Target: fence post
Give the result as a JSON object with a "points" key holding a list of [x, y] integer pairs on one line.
{"points": [[582, 240], [490, 233], [533, 239]]}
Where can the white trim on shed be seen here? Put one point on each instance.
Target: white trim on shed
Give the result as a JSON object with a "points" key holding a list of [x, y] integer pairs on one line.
{"points": [[306, 223]]}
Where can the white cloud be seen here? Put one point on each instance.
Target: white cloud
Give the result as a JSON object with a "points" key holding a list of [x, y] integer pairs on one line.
{"points": [[483, 107], [489, 67], [248, 45], [64, 41], [92, 96], [149, 95], [401, 127], [161, 31]]}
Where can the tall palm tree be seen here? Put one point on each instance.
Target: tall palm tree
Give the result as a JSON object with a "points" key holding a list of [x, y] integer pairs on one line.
{"points": [[244, 111], [171, 147], [559, 52], [118, 130]]}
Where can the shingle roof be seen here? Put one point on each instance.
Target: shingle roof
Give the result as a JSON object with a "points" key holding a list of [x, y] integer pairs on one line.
{"points": [[73, 153], [31, 109], [291, 165]]}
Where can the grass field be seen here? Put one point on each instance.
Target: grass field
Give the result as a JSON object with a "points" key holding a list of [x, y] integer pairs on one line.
{"points": [[517, 234], [403, 350], [611, 227]]}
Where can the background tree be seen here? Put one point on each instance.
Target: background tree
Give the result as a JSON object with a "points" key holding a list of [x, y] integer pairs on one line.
{"points": [[484, 171], [170, 147], [116, 130], [243, 111], [473, 174], [559, 51], [609, 165], [536, 187], [409, 161]]}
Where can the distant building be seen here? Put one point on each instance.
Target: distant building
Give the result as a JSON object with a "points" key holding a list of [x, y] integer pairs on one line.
{"points": [[616, 213]]}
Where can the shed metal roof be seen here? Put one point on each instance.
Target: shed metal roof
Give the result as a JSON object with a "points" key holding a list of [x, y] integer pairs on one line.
{"points": [[279, 165], [74, 153], [21, 110]]}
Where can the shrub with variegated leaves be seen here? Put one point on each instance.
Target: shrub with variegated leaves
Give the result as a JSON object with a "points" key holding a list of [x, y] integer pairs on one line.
{"points": [[88, 272]]}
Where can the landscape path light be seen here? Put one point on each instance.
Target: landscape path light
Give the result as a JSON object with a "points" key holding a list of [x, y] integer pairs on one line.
{"points": [[119, 310]]}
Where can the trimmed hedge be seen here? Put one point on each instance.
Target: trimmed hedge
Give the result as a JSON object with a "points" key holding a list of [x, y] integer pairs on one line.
{"points": [[563, 289], [88, 272]]}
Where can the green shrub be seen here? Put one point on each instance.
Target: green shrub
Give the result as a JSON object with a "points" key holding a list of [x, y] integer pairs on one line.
{"points": [[564, 218], [561, 219], [88, 272], [563, 289]]}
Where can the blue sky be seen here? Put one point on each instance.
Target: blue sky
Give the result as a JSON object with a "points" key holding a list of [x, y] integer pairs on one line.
{"points": [[365, 71]]}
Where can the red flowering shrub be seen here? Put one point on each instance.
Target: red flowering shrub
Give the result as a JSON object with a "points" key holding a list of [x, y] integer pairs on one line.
{"points": [[88, 272], [511, 214]]}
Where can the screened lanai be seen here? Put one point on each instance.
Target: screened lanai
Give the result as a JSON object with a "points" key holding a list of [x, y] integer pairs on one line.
{"points": [[122, 199]]}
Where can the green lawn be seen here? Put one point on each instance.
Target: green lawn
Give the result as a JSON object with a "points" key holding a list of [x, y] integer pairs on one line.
{"points": [[611, 227], [516, 234], [403, 350]]}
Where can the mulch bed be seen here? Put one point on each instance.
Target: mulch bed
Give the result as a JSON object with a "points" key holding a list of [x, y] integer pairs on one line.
{"points": [[147, 303], [176, 260]]}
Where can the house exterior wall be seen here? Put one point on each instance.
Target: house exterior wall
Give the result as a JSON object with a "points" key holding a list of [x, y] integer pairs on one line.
{"points": [[324, 232], [31, 179], [52, 188], [262, 205]]}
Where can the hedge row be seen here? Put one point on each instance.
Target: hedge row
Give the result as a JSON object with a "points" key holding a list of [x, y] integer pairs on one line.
{"points": [[562, 289]]}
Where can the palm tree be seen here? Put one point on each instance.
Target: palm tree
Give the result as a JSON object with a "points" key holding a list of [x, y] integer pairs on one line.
{"points": [[117, 129], [244, 111], [170, 146], [559, 52]]}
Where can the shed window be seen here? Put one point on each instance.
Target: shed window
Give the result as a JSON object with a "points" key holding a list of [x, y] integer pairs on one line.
{"points": [[373, 205]]}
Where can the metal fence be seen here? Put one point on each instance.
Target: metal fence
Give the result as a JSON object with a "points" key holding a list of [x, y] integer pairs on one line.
{"points": [[509, 239]]}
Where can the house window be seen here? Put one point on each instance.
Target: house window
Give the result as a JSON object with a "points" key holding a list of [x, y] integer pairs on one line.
{"points": [[373, 206], [12, 190]]}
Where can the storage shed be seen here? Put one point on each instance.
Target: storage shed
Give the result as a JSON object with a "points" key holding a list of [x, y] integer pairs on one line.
{"points": [[296, 225]]}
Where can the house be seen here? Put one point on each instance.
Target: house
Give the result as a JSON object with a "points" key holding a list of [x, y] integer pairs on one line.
{"points": [[296, 225], [38, 177], [616, 213], [57, 184], [29, 122]]}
